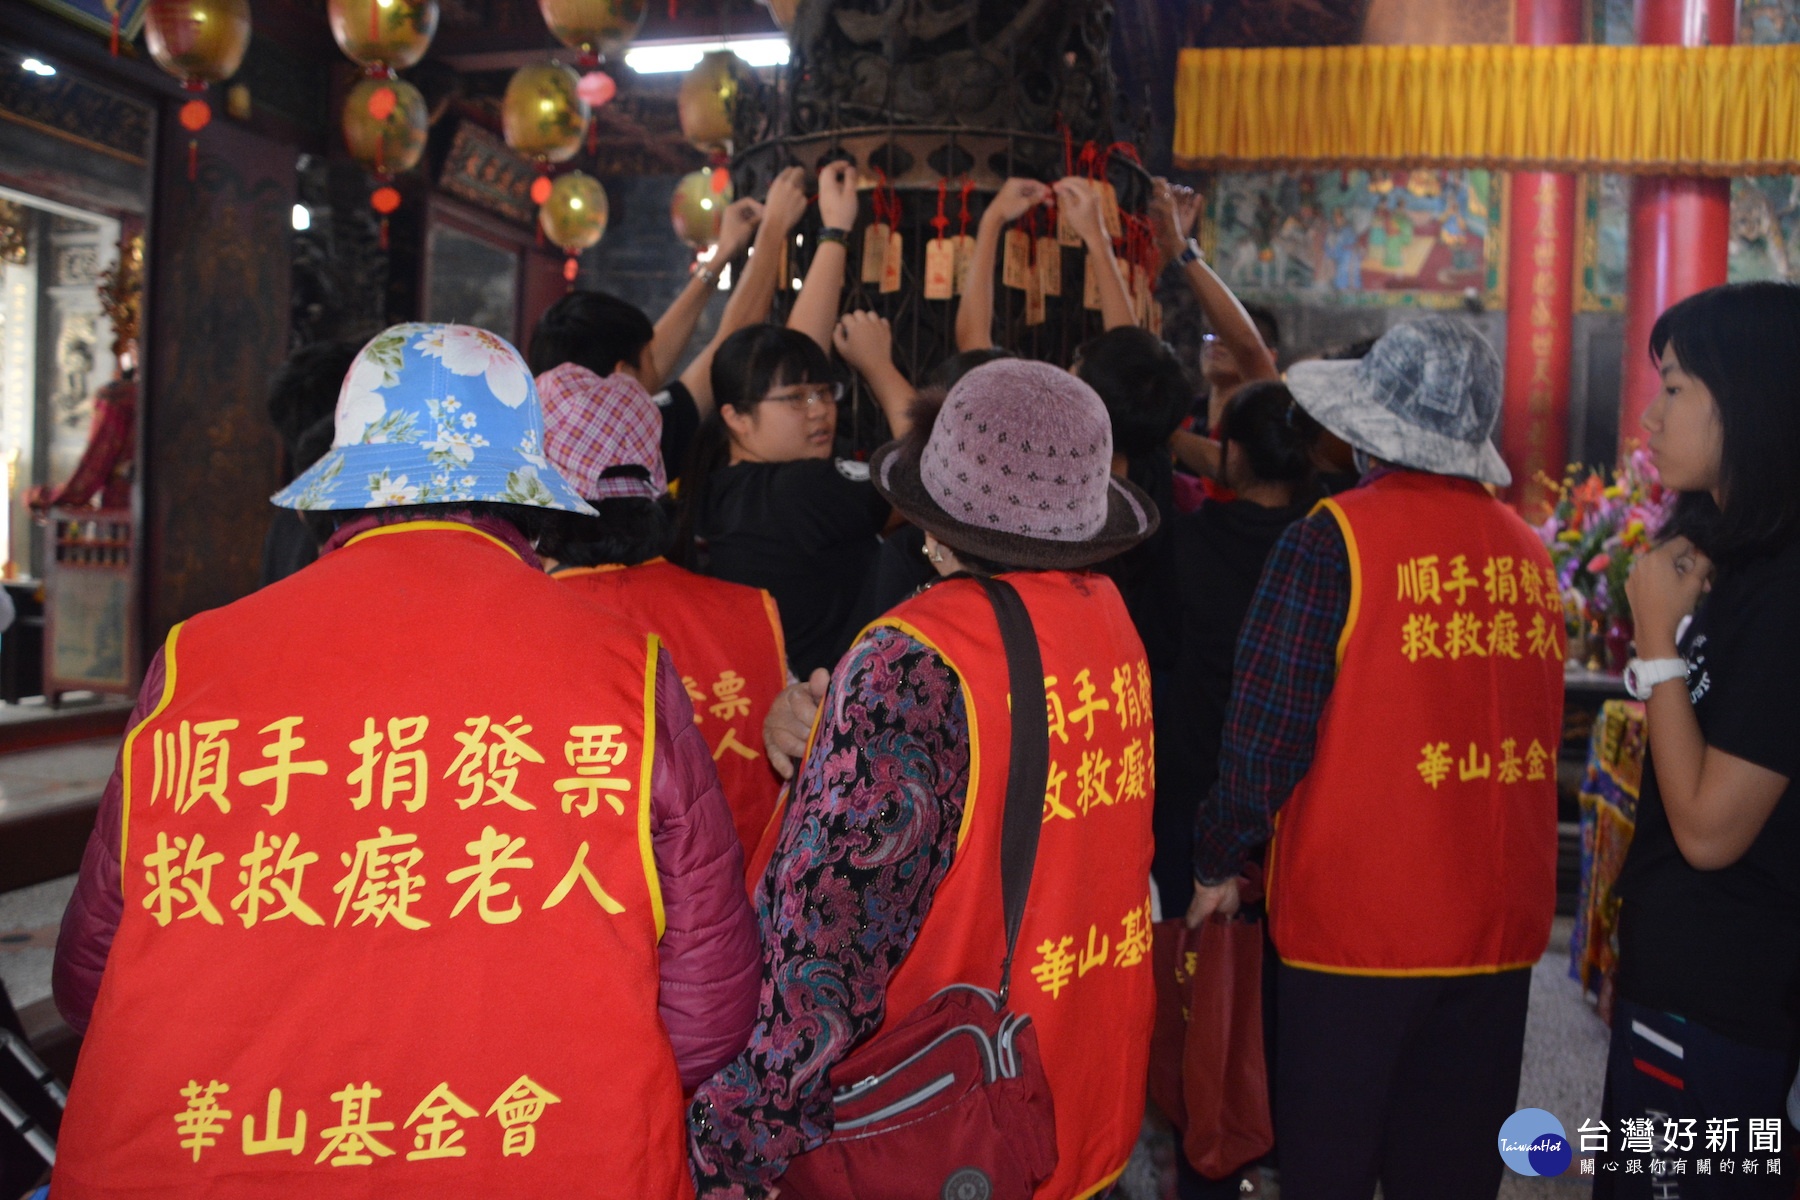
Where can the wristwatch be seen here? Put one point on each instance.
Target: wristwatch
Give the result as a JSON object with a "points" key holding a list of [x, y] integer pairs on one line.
{"points": [[1190, 254], [1642, 675], [830, 234]]}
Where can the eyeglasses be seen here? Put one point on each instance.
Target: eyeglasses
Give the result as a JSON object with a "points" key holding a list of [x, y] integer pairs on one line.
{"points": [[807, 395]]}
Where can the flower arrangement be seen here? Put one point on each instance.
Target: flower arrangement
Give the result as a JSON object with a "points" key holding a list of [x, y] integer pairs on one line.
{"points": [[1594, 532]]}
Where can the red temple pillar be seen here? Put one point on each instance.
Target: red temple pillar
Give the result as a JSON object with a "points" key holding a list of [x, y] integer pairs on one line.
{"points": [[1540, 283], [1679, 227]]}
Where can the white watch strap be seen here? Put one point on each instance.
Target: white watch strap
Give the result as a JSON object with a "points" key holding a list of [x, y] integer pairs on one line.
{"points": [[1644, 674]]}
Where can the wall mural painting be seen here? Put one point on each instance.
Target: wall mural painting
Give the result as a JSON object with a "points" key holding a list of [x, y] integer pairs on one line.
{"points": [[1765, 235], [1602, 213], [1768, 22], [1430, 238]]}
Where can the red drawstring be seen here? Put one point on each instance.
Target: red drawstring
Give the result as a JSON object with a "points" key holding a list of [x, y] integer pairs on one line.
{"points": [[967, 187], [941, 222]]}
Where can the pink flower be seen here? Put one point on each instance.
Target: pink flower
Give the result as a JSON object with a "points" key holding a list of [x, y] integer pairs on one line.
{"points": [[1598, 563]]}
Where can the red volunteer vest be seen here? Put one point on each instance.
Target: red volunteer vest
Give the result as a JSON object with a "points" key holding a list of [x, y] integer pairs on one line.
{"points": [[391, 912], [1422, 841], [726, 640], [1082, 969]]}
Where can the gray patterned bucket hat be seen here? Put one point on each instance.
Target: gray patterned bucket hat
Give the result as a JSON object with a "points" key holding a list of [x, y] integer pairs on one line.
{"points": [[1426, 396]]}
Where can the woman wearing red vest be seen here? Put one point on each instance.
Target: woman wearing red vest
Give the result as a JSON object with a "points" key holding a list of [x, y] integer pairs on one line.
{"points": [[1397, 699], [1707, 1022], [603, 436], [414, 878], [884, 883]]}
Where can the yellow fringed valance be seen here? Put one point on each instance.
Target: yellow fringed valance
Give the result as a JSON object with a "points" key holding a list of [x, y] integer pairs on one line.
{"points": [[1657, 110]]}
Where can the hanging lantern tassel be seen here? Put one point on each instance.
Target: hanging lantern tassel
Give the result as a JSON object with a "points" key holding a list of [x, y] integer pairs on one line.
{"points": [[571, 268], [540, 192], [195, 115], [112, 7], [385, 200]]}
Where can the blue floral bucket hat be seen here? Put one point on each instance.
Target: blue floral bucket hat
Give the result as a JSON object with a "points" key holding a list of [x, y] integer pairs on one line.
{"points": [[435, 414]]}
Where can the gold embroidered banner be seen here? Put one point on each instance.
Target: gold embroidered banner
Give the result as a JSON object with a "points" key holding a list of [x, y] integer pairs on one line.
{"points": [[1652, 110]]}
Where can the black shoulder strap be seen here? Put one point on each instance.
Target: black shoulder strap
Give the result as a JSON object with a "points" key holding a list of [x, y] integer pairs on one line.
{"points": [[1030, 760]]}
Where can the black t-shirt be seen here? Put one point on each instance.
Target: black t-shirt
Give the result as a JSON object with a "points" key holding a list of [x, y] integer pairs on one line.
{"points": [[807, 531], [1145, 574], [680, 421], [1722, 948], [1218, 552]]}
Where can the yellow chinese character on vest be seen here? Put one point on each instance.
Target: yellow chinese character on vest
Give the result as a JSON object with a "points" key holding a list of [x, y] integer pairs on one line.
{"points": [[594, 750], [282, 747], [494, 853], [492, 766], [518, 1109], [404, 773], [437, 1135], [272, 884], [1055, 964], [272, 1141], [201, 1122], [181, 872], [382, 882], [187, 772], [352, 1141], [579, 871]]}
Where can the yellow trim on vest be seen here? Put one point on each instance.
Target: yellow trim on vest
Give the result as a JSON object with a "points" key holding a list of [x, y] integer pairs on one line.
{"points": [[168, 694], [431, 526], [774, 615], [1103, 1184], [1356, 581], [1408, 972], [962, 681], [600, 569], [644, 845]]}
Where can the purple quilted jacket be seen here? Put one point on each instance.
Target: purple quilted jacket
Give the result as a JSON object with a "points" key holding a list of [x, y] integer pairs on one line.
{"points": [[710, 959]]}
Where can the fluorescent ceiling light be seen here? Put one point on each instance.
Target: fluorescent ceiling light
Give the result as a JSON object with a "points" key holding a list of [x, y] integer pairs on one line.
{"points": [[655, 58], [46, 70]]}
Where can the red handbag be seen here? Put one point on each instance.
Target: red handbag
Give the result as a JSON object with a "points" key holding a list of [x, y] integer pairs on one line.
{"points": [[1208, 1073], [951, 1101]]}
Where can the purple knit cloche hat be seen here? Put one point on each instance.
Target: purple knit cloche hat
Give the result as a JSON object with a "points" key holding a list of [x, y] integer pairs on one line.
{"points": [[1018, 470]]}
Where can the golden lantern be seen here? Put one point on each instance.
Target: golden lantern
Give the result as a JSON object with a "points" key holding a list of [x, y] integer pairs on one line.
{"points": [[198, 41], [709, 94], [594, 27], [574, 216], [385, 124], [543, 114], [697, 209], [383, 33]]}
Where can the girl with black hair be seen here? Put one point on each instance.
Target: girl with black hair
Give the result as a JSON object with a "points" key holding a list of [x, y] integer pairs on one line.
{"points": [[1704, 1029], [764, 500], [1265, 455]]}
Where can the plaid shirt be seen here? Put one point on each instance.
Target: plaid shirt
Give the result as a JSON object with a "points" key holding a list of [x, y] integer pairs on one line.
{"points": [[1285, 667]]}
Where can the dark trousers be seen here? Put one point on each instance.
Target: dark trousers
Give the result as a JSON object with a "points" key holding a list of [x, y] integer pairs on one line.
{"points": [[1669, 1070], [1401, 1081]]}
